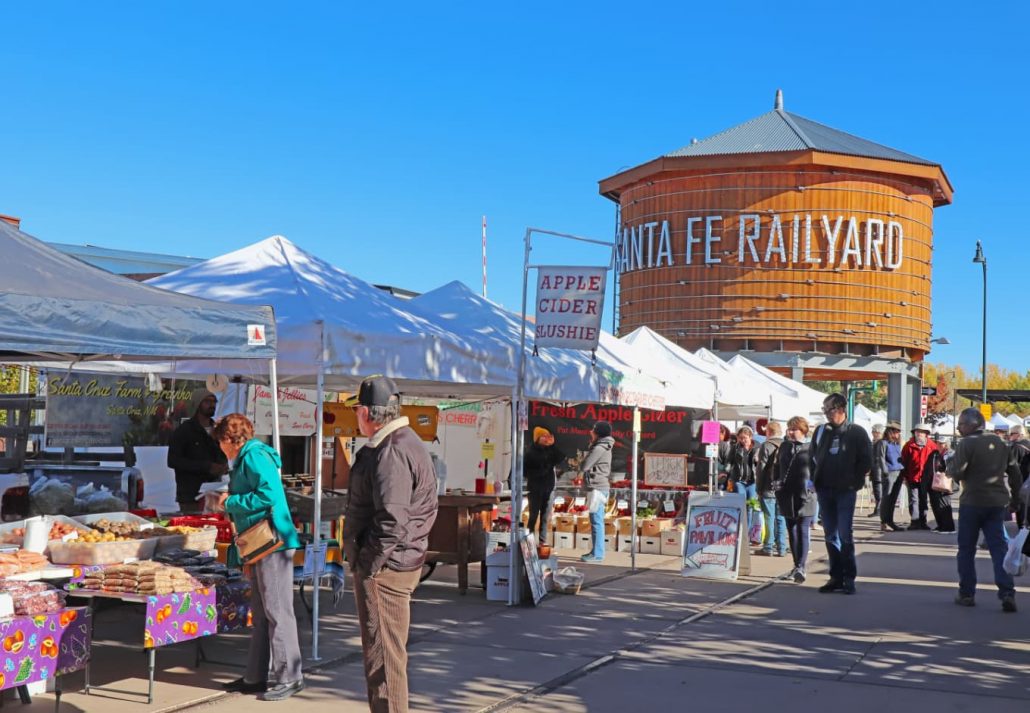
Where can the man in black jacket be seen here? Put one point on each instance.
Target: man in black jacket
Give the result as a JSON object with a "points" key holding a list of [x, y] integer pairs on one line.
{"points": [[194, 456], [391, 508], [841, 456]]}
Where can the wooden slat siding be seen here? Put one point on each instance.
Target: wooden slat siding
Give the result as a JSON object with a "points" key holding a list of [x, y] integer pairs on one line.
{"points": [[715, 294]]}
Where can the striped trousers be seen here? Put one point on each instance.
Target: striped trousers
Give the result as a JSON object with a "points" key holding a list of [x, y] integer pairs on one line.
{"points": [[384, 613]]}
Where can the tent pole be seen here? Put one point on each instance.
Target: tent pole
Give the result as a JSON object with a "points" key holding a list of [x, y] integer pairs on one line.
{"points": [[317, 524], [273, 382], [633, 494], [514, 590]]}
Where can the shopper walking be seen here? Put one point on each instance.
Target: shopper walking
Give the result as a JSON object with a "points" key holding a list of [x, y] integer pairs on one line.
{"points": [[989, 475], [255, 494], [743, 464], [878, 475], [541, 459], [596, 469], [768, 482], [796, 495], [841, 455], [391, 509], [915, 456], [890, 451]]}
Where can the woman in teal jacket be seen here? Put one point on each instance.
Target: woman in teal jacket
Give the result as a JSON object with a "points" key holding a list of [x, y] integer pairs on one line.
{"points": [[256, 492]]}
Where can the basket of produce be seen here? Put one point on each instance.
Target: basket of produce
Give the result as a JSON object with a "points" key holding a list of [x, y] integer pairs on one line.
{"points": [[219, 521], [568, 580], [102, 548], [61, 527], [186, 537], [121, 519]]}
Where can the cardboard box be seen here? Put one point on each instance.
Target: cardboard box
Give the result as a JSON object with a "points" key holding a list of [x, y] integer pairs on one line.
{"points": [[625, 526], [583, 524], [627, 543], [650, 545], [492, 540], [672, 542], [565, 523], [655, 526], [584, 541], [565, 540], [611, 543], [498, 576]]}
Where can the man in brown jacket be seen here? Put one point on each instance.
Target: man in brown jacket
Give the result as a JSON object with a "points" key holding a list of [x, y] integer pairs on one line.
{"points": [[984, 465], [390, 511]]}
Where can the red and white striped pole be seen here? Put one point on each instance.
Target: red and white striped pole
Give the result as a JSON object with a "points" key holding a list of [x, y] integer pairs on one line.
{"points": [[484, 256]]}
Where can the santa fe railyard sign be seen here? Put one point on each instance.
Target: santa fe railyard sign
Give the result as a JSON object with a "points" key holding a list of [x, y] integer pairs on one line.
{"points": [[801, 240]]}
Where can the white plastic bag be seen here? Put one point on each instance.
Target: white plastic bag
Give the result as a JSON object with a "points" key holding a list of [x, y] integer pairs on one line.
{"points": [[1015, 562], [568, 580], [596, 501]]}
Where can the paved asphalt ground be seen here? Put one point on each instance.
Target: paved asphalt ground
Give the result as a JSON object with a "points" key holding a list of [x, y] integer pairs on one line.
{"points": [[651, 640]]}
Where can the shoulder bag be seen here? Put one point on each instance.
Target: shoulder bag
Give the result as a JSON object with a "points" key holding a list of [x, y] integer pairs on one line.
{"points": [[942, 482], [258, 541]]}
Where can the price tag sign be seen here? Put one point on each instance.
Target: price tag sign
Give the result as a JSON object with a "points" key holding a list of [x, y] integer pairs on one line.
{"points": [[579, 502], [314, 559], [669, 506], [712, 450], [487, 450], [622, 504], [643, 504]]}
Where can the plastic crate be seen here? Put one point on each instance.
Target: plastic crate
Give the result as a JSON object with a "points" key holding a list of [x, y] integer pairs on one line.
{"points": [[148, 513], [219, 521]]}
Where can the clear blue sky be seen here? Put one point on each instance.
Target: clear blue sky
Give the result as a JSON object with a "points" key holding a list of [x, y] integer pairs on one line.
{"points": [[377, 138]]}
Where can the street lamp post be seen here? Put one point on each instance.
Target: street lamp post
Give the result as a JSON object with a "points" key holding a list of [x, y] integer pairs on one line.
{"points": [[979, 257]]}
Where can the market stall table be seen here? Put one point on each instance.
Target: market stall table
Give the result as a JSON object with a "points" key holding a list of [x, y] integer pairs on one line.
{"points": [[457, 536], [176, 618]]}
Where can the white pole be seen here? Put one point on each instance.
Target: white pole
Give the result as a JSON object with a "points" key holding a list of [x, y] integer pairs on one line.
{"points": [[273, 382], [317, 525], [633, 491], [514, 591], [484, 256]]}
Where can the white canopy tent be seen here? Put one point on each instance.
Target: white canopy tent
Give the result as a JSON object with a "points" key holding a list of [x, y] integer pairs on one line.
{"points": [[1014, 420], [998, 422], [736, 396], [809, 399], [618, 373], [867, 418]]}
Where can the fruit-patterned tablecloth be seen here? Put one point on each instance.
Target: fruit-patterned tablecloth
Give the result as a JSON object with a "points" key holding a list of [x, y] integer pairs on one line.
{"points": [[36, 648], [174, 618]]}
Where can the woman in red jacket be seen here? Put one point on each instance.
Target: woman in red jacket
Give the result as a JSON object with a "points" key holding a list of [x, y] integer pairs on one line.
{"points": [[914, 457]]}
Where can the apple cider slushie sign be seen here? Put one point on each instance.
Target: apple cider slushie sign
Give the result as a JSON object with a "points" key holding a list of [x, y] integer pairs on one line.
{"points": [[569, 302]]}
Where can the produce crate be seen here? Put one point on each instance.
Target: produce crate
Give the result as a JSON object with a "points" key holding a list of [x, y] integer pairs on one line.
{"points": [[221, 522], [202, 541], [141, 523], [73, 552]]}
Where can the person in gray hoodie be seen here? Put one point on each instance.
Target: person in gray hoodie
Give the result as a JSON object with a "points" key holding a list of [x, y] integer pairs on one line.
{"points": [[596, 469]]}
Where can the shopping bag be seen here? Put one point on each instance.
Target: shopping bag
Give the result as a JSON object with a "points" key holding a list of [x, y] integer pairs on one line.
{"points": [[1015, 562], [942, 483], [596, 501], [756, 531]]}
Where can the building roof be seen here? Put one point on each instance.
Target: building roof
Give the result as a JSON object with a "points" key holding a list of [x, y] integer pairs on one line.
{"points": [[780, 130], [126, 262]]}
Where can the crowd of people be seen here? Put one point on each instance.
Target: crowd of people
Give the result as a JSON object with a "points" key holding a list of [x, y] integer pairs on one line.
{"points": [[795, 481]]}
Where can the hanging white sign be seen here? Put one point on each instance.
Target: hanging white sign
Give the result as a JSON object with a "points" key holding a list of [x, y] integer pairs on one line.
{"points": [[296, 410], [569, 302]]}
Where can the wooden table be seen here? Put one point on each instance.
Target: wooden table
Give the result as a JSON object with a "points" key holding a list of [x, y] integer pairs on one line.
{"points": [[457, 535]]}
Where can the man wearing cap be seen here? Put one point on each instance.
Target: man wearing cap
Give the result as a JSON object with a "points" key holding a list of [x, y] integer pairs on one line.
{"points": [[194, 455], [891, 464], [391, 509], [596, 468], [917, 453], [841, 457], [541, 458], [988, 474], [878, 475]]}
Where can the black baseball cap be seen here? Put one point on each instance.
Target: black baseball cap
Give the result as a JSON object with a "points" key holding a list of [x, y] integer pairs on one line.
{"points": [[374, 391]]}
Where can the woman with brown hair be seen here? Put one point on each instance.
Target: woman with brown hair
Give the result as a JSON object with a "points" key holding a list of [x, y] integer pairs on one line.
{"points": [[796, 495], [255, 493]]}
